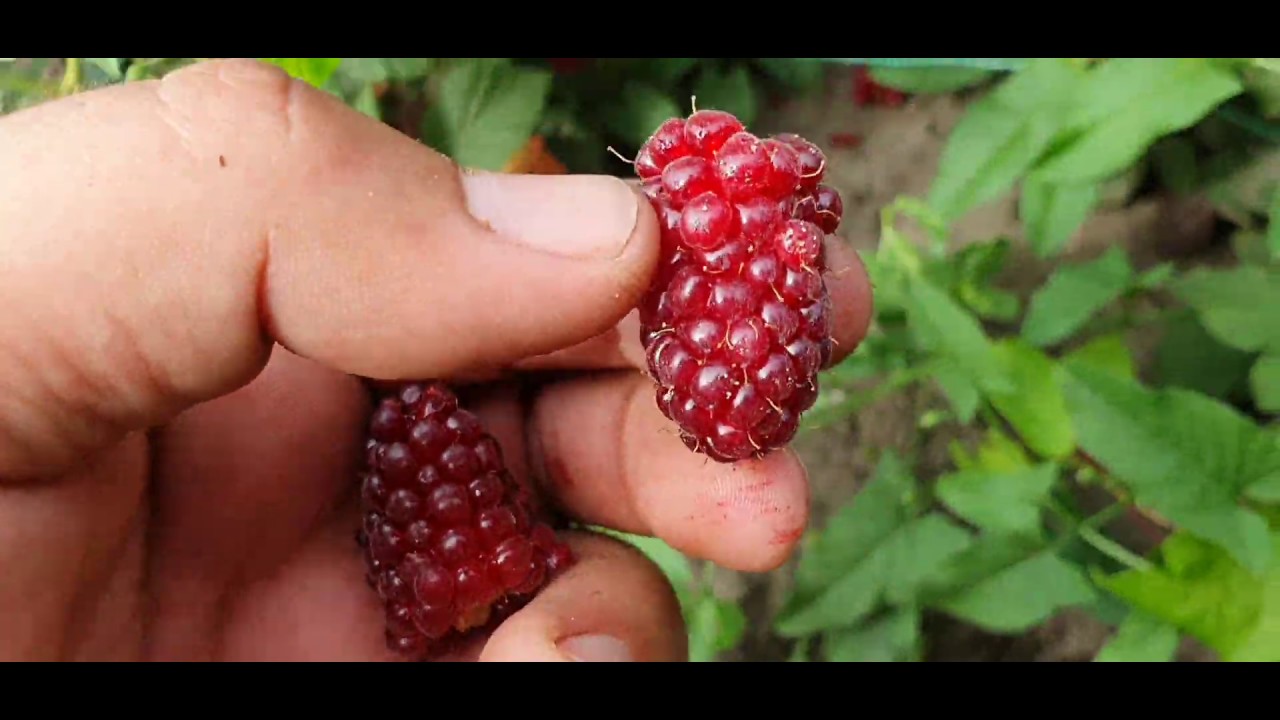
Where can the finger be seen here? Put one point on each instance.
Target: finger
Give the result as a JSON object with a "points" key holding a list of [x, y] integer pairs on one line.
{"points": [[612, 605], [637, 476], [242, 483], [228, 206], [619, 347]]}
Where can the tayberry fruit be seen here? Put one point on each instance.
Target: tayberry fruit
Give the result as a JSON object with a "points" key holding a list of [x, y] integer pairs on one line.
{"points": [[737, 323], [450, 541]]}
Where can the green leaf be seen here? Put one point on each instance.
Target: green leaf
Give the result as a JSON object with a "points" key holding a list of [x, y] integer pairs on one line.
{"points": [[891, 573], [1073, 295], [376, 70], [1052, 213], [794, 73], [944, 327], [672, 562], [715, 626], [974, 270], [366, 101], [1189, 357], [729, 90], [639, 109], [1022, 596], [800, 74], [1273, 229], [485, 110], [996, 453], [1129, 103], [1262, 644], [1141, 638], [1109, 353], [1002, 136], [1237, 305], [660, 71], [1002, 502], [895, 637], [1265, 381], [1033, 404], [886, 503], [1200, 590], [112, 67], [314, 71], [1183, 455], [921, 80], [964, 395]]}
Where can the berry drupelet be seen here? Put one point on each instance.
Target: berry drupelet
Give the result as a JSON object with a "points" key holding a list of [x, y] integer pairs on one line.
{"points": [[736, 326], [450, 540]]}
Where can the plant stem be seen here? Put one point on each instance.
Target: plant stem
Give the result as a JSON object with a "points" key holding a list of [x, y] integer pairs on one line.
{"points": [[1113, 549], [71, 75]]}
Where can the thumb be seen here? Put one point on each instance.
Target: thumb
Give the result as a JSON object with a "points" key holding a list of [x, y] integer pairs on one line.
{"points": [[160, 237]]}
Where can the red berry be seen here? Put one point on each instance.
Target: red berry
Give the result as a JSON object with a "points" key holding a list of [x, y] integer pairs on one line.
{"points": [[707, 130], [449, 539], [736, 325]]}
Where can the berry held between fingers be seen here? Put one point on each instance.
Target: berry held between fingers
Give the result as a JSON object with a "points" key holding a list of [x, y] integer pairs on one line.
{"points": [[450, 540], [736, 326]]}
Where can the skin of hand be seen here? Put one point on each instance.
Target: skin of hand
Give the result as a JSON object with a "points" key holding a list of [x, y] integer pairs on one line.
{"points": [[193, 269]]}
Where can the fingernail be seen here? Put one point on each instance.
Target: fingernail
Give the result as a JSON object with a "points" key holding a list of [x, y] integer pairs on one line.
{"points": [[596, 648], [579, 216]]}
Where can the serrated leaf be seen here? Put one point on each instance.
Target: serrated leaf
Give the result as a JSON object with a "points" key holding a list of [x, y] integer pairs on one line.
{"points": [[1034, 403], [1237, 305], [1109, 353], [1129, 103], [1141, 638], [1002, 502], [1265, 381], [1183, 455], [1073, 295], [920, 80], [1002, 136], [485, 110], [1199, 590], [895, 637], [1022, 596], [729, 90], [313, 71], [886, 503], [949, 330], [891, 573], [1051, 213], [997, 453]]}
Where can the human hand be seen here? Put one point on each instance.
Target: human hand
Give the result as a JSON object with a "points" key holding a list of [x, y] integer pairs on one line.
{"points": [[192, 271]]}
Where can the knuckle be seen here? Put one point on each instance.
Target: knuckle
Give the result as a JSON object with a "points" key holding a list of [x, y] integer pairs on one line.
{"points": [[224, 101]]}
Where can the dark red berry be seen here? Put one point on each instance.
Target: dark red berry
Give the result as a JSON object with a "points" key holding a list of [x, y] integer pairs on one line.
{"points": [[736, 325], [448, 536]]}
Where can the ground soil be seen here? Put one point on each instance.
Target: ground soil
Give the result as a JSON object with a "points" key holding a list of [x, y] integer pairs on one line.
{"points": [[897, 155]]}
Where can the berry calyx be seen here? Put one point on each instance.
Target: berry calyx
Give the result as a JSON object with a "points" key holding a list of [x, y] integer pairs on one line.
{"points": [[450, 541], [736, 325]]}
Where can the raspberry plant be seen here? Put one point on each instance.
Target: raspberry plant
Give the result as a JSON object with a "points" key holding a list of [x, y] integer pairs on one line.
{"points": [[1110, 430]]}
